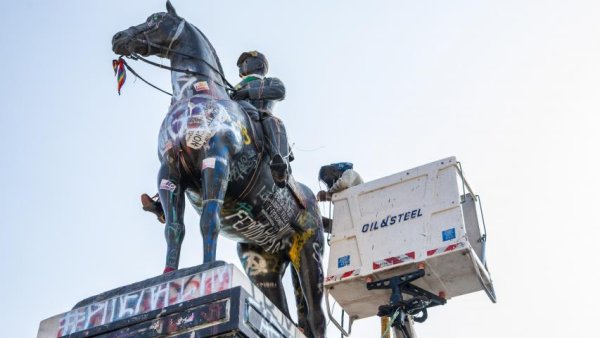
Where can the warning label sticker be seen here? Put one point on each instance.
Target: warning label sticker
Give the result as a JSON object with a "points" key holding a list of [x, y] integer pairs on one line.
{"points": [[448, 234]]}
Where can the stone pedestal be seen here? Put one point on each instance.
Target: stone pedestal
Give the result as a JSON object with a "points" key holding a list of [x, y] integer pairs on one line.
{"points": [[209, 300]]}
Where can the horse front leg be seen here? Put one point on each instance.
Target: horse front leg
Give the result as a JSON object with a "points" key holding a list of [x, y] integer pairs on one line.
{"points": [[173, 203], [215, 174]]}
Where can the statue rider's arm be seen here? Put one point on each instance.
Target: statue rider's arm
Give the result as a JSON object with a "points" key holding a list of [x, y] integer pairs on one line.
{"points": [[273, 90], [267, 89]]}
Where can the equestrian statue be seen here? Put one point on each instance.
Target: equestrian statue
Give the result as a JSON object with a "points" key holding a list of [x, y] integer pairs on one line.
{"points": [[214, 152]]}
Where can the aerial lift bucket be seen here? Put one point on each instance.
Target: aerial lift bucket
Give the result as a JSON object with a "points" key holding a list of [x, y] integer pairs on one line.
{"points": [[424, 219]]}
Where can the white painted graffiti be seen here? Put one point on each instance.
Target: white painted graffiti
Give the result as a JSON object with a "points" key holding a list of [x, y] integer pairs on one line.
{"points": [[194, 121], [267, 285], [317, 257], [273, 323], [270, 238], [146, 300], [243, 166], [186, 320], [255, 264], [156, 326], [278, 206], [268, 330]]}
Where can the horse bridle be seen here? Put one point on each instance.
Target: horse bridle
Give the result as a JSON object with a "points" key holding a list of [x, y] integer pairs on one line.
{"points": [[165, 51]]}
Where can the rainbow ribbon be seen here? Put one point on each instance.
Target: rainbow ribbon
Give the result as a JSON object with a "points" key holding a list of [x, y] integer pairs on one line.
{"points": [[119, 68]]}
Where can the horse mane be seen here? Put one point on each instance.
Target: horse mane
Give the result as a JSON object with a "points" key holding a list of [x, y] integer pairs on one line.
{"points": [[212, 49]]}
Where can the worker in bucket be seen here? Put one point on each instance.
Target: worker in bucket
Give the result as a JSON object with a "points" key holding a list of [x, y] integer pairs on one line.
{"points": [[337, 177]]}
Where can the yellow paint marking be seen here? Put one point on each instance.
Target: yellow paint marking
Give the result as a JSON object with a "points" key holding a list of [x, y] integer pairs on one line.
{"points": [[245, 135], [247, 139], [298, 242]]}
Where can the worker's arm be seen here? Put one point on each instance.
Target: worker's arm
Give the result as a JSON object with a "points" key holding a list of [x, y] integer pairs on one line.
{"points": [[348, 179], [323, 196]]}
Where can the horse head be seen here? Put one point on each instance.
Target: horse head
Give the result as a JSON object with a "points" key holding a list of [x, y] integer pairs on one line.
{"points": [[151, 37], [167, 35]]}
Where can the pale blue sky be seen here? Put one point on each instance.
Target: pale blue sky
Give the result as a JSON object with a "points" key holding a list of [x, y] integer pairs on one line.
{"points": [[508, 87]]}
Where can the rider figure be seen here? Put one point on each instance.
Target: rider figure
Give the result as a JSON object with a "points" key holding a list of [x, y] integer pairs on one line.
{"points": [[256, 92]]}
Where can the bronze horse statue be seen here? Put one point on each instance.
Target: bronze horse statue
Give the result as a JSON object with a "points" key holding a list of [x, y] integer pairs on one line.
{"points": [[208, 149]]}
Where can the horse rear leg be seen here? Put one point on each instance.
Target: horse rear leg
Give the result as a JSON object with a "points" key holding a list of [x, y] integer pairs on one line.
{"points": [[265, 270], [305, 254], [173, 202], [301, 307]]}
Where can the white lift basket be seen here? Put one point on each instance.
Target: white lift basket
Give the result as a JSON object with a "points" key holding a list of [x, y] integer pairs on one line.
{"points": [[415, 219]]}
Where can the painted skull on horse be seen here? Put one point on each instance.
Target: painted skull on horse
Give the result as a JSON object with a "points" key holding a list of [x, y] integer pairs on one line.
{"points": [[211, 151]]}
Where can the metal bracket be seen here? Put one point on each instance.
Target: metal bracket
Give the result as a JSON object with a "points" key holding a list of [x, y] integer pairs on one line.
{"points": [[418, 304], [334, 321]]}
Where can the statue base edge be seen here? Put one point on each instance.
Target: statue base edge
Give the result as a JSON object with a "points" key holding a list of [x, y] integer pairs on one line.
{"points": [[215, 300]]}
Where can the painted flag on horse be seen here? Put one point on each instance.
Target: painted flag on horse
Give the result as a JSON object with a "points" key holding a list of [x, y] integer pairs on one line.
{"points": [[119, 68]]}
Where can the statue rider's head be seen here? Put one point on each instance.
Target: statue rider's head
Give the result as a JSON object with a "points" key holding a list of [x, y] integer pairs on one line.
{"points": [[253, 62], [330, 173]]}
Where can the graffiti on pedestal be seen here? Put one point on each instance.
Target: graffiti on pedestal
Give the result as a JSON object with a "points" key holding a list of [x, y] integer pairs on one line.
{"points": [[145, 300]]}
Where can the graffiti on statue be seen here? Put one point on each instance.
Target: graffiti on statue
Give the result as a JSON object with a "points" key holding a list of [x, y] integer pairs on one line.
{"points": [[247, 162], [205, 150]]}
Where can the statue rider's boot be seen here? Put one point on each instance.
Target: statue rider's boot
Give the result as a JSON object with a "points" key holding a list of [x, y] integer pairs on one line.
{"points": [[152, 204], [279, 170], [277, 146]]}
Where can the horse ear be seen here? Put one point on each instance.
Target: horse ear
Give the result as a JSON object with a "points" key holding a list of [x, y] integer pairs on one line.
{"points": [[170, 8]]}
